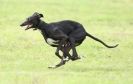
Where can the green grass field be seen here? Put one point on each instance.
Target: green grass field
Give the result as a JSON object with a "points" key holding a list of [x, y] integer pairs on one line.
{"points": [[24, 56]]}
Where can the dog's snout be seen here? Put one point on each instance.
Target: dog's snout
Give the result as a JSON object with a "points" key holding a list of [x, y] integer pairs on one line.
{"points": [[22, 24]]}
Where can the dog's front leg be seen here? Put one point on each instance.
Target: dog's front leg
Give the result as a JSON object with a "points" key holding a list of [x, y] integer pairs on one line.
{"points": [[57, 54], [65, 49], [63, 61], [59, 48], [59, 64], [59, 34]]}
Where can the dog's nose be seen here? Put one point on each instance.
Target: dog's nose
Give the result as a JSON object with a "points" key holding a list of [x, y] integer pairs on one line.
{"points": [[21, 24]]}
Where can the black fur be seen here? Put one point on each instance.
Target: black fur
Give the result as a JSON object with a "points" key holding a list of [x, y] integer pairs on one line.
{"points": [[67, 34]]}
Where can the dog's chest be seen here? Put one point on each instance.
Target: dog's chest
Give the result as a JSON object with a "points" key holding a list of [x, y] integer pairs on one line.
{"points": [[51, 41]]}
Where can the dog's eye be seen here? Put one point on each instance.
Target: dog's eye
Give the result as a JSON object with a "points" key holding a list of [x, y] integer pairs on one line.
{"points": [[29, 20]]}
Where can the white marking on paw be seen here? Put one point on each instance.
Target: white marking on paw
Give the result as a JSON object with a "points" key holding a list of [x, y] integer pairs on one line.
{"points": [[52, 66], [66, 59]]}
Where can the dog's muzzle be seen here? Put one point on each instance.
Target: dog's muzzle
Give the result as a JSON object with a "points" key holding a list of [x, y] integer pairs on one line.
{"points": [[28, 26]]}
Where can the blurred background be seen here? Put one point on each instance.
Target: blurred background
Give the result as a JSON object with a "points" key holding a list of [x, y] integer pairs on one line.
{"points": [[24, 55]]}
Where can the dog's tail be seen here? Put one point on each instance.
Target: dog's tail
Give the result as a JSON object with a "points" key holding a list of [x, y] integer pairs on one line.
{"points": [[96, 39]]}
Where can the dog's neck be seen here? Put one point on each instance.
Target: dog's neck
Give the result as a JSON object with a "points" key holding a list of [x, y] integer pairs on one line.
{"points": [[43, 27]]}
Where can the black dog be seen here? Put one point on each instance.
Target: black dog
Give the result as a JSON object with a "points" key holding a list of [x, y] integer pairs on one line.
{"points": [[65, 35]]}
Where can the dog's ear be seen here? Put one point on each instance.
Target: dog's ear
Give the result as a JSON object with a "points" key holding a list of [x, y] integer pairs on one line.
{"points": [[36, 13], [40, 15]]}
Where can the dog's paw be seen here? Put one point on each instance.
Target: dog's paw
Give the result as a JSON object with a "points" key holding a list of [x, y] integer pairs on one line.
{"points": [[66, 59], [52, 67], [75, 58]]}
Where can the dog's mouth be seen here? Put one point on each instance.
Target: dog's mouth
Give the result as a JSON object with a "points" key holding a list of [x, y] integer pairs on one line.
{"points": [[28, 26]]}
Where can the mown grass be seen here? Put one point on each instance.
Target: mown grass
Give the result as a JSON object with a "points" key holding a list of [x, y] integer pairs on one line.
{"points": [[24, 56]]}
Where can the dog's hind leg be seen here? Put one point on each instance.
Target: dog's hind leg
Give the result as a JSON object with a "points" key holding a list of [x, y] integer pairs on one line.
{"points": [[74, 52]]}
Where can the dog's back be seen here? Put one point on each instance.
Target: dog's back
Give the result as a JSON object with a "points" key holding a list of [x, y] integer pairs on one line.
{"points": [[68, 26]]}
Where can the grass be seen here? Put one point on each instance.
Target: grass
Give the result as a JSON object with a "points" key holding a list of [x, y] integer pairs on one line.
{"points": [[24, 56]]}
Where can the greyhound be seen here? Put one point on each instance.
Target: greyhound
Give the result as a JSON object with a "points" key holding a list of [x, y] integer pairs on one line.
{"points": [[65, 35]]}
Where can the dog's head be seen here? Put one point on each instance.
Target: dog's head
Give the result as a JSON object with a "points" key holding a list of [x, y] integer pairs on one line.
{"points": [[32, 21]]}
